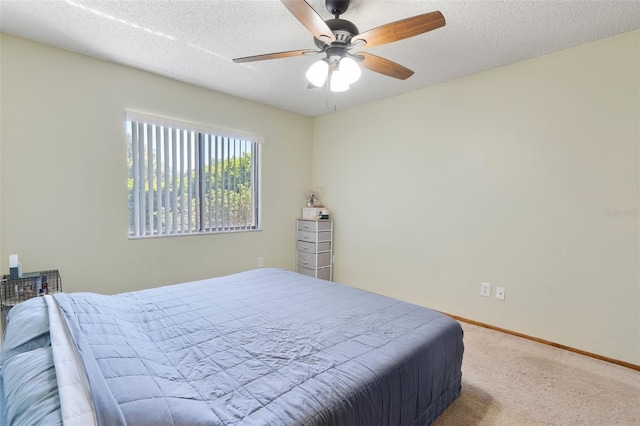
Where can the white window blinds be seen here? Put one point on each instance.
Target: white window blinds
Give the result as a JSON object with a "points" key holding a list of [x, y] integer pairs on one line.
{"points": [[187, 179]]}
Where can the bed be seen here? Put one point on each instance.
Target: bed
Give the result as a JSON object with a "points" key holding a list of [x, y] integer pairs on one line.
{"points": [[263, 347]]}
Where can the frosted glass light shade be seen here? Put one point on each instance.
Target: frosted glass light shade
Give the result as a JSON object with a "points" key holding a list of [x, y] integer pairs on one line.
{"points": [[317, 73], [339, 82], [350, 69]]}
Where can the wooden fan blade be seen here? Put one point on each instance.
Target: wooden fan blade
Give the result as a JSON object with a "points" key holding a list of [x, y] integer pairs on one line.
{"points": [[402, 29], [384, 66], [276, 55], [309, 18]]}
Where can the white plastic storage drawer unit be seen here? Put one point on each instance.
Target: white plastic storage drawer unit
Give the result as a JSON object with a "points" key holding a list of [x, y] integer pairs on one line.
{"points": [[314, 254]]}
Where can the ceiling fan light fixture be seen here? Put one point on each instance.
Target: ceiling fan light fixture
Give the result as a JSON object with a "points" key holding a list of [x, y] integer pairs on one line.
{"points": [[338, 82], [317, 73], [351, 69]]}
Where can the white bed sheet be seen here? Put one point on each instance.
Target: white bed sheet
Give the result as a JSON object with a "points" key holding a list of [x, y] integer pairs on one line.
{"points": [[73, 386]]}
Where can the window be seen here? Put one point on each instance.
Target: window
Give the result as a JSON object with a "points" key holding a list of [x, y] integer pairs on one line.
{"points": [[190, 179]]}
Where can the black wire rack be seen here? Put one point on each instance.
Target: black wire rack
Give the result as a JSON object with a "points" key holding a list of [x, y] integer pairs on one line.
{"points": [[31, 284]]}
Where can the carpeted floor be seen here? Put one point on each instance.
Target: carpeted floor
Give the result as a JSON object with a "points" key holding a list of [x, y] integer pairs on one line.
{"points": [[508, 380]]}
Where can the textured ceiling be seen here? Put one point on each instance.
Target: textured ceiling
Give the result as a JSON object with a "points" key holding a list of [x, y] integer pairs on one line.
{"points": [[194, 41]]}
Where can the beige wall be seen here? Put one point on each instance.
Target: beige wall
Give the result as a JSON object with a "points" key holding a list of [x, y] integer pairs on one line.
{"points": [[64, 176], [503, 177], [2, 270]]}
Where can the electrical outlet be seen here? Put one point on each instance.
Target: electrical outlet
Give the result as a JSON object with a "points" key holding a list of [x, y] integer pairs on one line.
{"points": [[485, 289], [260, 262], [500, 293]]}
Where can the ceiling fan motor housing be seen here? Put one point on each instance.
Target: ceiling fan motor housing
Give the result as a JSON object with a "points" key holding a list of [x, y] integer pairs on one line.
{"points": [[342, 30]]}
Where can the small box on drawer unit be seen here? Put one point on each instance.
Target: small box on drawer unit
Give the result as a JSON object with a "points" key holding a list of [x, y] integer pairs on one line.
{"points": [[313, 213], [314, 248]]}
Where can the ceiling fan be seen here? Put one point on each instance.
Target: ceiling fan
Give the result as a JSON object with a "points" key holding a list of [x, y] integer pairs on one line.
{"points": [[336, 37]]}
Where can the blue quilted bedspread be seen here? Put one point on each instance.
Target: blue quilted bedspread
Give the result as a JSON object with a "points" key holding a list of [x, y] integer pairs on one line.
{"points": [[265, 347]]}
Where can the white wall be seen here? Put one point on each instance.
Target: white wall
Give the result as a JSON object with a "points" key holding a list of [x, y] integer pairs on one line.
{"points": [[64, 177], [502, 177]]}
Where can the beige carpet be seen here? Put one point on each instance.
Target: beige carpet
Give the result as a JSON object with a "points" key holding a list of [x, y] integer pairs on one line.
{"points": [[508, 380]]}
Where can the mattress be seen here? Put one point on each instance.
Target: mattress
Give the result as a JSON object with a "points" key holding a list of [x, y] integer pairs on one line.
{"points": [[263, 347]]}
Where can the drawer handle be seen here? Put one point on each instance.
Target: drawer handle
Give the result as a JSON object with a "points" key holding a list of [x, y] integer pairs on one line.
{"points": [[304, 263]]}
